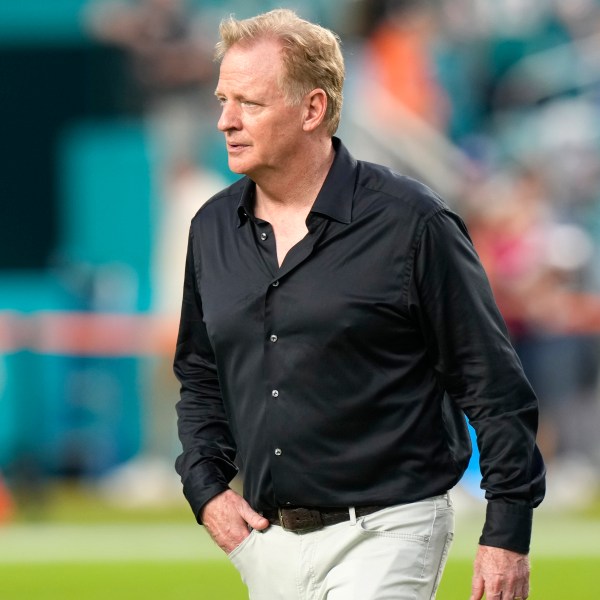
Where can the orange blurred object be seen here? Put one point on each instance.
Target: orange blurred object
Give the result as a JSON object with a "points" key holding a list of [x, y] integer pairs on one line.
{"points": [[7, 507]]}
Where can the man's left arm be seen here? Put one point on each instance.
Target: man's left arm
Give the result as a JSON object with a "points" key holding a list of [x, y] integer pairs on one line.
{"points": [[470, 348]]}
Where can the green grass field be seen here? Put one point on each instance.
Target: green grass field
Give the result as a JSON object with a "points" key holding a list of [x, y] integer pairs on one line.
{"points": [[552, 579], [81, 550]]}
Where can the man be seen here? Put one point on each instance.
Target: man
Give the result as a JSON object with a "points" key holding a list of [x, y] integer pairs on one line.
{"points": [[336, 324]]}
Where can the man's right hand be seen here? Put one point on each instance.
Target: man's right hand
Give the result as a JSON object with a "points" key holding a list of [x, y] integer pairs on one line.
{"points": [[227, 517]]}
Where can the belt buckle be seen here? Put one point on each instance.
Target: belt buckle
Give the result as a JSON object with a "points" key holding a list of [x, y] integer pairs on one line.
{"points": [[300, 520]]}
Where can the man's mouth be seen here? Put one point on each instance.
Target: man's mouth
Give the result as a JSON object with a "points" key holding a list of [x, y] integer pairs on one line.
{"points": [[234, 146]]}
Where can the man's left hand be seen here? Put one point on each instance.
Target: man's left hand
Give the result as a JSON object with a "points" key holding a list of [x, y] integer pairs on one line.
{"points": [[500, 574]]}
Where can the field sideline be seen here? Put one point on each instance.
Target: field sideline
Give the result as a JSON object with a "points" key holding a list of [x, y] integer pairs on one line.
{"points": [[176, 561], [555, 536]]}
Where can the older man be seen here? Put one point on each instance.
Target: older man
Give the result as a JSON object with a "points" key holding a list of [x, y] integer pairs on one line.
{"points": [[336, 326]]}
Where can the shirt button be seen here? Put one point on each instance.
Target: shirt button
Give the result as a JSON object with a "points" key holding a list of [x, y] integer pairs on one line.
{"points": [[275, 283], [273, 338], [275, 393], [277, 451], [263, 236]]}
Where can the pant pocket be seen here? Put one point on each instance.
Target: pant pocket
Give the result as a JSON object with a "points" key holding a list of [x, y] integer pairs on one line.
{"points": [[411, 522], [235, 554]]}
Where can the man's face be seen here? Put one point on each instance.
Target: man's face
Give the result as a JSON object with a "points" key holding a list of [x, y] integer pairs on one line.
{"points": [[261, 129]]}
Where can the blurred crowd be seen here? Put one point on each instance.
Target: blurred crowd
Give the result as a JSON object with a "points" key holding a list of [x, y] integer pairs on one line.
{"points": [[494, 103]]}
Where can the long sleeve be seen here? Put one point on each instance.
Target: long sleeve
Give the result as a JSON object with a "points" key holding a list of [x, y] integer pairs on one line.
{"points": [[206, 464], [468, 344]]}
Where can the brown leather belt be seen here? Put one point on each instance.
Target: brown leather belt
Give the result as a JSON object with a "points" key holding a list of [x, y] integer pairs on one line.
{"points": [[300, 519]]}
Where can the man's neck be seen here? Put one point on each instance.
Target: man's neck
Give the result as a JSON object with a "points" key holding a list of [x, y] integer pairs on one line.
{"points": [[297, 186]]}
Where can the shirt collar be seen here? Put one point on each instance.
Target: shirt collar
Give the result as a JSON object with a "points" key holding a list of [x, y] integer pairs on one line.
{"points": [[245, 208], [334, 200]]}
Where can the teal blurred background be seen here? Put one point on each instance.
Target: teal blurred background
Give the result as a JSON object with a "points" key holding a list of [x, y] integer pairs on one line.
{"points": [[108, 150], [109, 146]]}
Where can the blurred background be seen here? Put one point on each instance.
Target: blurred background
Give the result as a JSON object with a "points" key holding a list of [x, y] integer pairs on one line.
{"points": [[109, 146]]}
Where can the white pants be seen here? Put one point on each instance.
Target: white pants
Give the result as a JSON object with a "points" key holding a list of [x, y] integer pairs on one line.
{"points": [[397, 553]]}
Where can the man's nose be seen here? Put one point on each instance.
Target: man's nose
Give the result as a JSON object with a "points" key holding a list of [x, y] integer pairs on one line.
{"points": [[229, 119]]}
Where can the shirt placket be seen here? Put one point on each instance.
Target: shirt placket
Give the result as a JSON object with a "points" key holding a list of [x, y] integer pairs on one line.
{"points": [[275, 341]]}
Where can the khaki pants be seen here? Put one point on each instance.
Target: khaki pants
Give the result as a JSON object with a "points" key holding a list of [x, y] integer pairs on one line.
{"points": [[397, 553]]}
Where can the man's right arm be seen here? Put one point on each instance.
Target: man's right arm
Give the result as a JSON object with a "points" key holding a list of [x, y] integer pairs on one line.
{"points": [[206, 465]]}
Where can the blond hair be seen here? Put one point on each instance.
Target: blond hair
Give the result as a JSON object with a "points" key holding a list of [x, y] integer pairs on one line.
{"points": [[311, 55]]}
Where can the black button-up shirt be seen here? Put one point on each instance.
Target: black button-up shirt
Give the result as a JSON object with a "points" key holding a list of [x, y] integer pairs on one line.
{"points": [[341, 377]]}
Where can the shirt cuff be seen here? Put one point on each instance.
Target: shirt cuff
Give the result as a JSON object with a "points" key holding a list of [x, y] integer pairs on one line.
{"points": [[199, 499], [204, 482], [507, 526]]}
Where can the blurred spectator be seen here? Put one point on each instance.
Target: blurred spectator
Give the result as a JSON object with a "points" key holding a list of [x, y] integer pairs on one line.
{"points": [[579, 17], [185, 194], [534, 262], [399, 51], [170, 55], [6, 503]]}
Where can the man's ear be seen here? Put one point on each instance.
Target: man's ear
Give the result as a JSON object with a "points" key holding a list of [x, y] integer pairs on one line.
{"points": [[315, 109]]}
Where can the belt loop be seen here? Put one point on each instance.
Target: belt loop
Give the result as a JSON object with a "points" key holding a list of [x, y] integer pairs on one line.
{"points": [[352, 512]]}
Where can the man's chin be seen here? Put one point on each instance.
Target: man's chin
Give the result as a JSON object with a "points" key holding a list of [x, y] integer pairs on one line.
{"points": [[235, 168]]}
